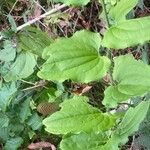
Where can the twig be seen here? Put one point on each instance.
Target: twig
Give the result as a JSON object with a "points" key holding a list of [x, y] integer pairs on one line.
{"points": [[132, 144], [27, 82], [41, 17], [38, 18], [41, 83], [13, 6]]}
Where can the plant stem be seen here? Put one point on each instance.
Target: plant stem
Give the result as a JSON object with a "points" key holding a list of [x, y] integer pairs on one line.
{"points": [[108, 24], [108, 51], [105, 12], [38, 18]]}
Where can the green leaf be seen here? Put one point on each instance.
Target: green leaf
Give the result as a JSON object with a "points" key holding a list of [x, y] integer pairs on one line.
{"points": [[113, 96], [83, 141], [131, 121], [12, 23], [144, 133], [6, 93], [132, 77], [22, 67], [76, 115], [129, 124], [25, 111], [127, 65], [15, 127], [143, 139], [13, 143], [128, 33], [33, 40], [118, 12], [4, 134], [8, 53], [35, 122], [76, 58], [4, 120], [73, 2]]}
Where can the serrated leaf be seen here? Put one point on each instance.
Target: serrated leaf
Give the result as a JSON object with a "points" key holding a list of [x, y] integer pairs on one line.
{"points": [[77, 115], [8, 53], [132, 77], [22, 67], [13, 143], [35, 122], [6, 92], [84, 141], [33, 40], [128, 33], [4, 120], [73, 2], [76, 58], [25, 110], [129, 125], [118, 12]]}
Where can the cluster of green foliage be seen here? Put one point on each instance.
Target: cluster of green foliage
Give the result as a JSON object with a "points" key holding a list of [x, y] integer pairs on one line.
{"points": [[78, 58]]}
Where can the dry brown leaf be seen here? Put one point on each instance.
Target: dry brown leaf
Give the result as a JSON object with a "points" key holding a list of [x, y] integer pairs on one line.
{"points": [[41, 145]]}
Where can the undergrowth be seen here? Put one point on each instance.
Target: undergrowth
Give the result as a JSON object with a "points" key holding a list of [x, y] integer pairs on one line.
{"points": [[76, 79]]}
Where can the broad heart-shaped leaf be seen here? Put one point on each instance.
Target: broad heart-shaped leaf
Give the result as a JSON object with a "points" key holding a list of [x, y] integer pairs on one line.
{"points": [[8, 53], [128, 33], [127, 65], [76, 58], [129, 124], [133, 76], [22, 67], [76, 115], [6, 93], [133, 79], [83, 141], [118, 12], [74, 2]]}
